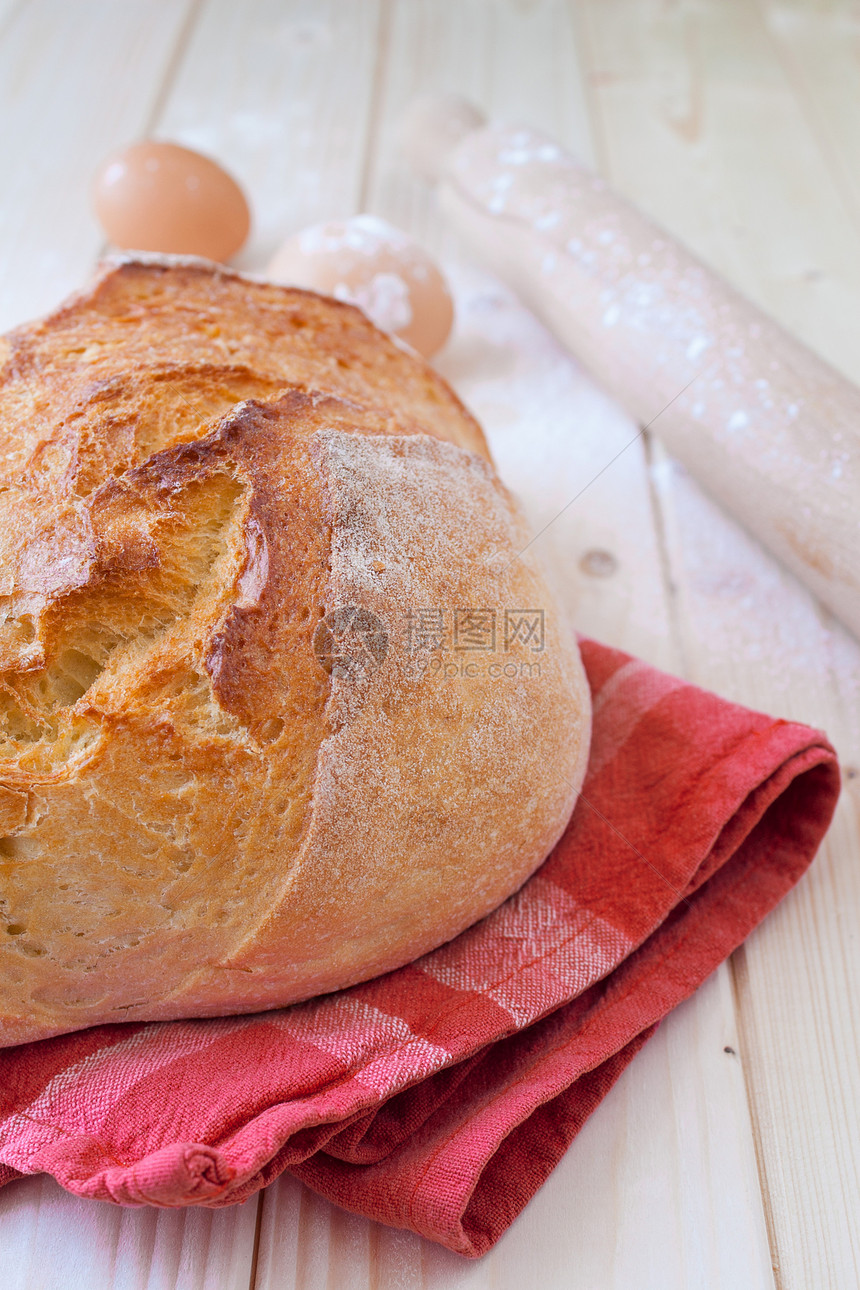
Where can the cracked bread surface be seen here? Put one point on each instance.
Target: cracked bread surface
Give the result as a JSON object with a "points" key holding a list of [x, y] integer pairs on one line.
{"points": [[197, 816]]}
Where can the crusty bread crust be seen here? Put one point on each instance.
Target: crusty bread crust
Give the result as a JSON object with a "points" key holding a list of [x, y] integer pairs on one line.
{"points": [[220, 790]]}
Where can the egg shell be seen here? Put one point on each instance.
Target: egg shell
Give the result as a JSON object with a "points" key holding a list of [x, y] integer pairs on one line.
{"points": [[378, 267], [162, 197]]}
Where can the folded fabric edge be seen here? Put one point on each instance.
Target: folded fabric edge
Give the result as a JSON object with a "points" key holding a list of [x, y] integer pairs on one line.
{"points": [[470, 1214]]}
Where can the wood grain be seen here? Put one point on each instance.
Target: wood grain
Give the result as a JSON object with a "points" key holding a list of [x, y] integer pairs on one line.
{"points": [[735, 124], [50, 1239], [699, 125], [819, 47], [754, 634], [748, 629], [513, 60], [281, 94], [76, 81]]}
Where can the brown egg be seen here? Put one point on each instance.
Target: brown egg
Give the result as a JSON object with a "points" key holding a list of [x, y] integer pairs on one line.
{"points": [[162, 197], [378, 267]]}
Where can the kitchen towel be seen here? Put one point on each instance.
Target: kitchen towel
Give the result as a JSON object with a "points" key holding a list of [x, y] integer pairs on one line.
{"points": [[440, 1096]]}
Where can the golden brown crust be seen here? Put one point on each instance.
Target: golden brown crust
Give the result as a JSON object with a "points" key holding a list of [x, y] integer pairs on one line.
{"points": [[200, 811], [151, 350]]}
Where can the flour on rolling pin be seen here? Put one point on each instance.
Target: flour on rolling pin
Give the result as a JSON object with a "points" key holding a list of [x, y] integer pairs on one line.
{"points": [[769, 428]]}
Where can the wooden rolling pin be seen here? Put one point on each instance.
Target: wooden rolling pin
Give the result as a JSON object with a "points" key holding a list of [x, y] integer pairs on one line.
{"points": [[770, 429]]}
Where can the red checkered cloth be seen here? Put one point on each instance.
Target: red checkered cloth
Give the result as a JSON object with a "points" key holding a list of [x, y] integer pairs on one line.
{"points": [[439, 1097]]}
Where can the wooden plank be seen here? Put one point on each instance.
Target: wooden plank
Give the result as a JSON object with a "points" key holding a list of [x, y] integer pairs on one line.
{"points": [[820, 51], [513, 60], [50, 1238], [662, 1185], [674, 88], [754, 634], [700, 125], [281, 95], [76, 81]]}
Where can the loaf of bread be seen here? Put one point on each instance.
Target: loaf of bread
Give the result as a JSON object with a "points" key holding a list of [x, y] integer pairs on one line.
{"points": [[281, 705]]}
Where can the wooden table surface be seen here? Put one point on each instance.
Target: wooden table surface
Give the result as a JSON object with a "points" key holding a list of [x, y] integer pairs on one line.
{"points": [[727, 1155]]}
